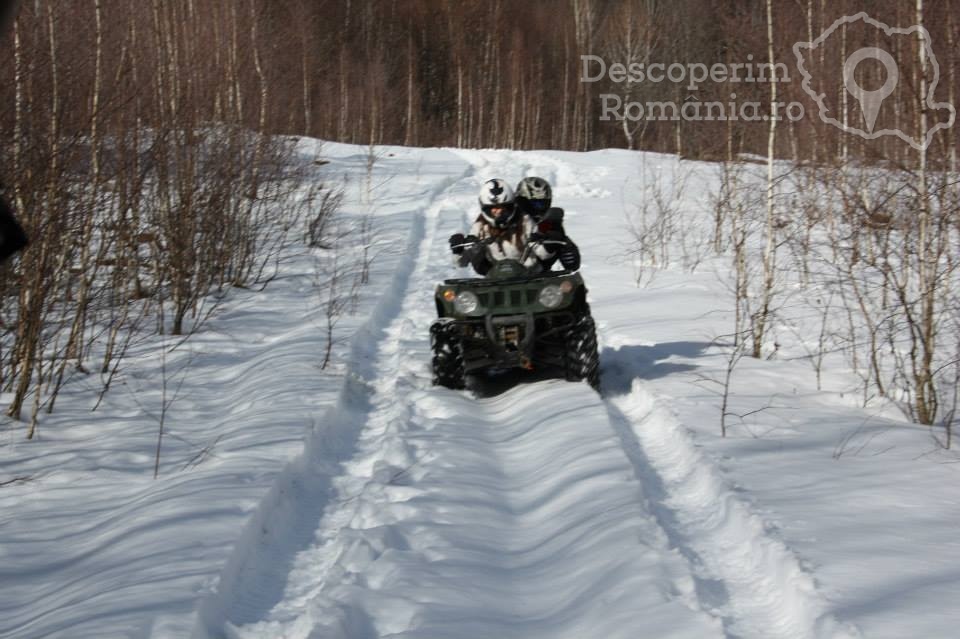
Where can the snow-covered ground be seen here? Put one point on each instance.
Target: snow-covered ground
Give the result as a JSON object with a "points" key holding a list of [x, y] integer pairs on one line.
{"points": [[359, 501]]}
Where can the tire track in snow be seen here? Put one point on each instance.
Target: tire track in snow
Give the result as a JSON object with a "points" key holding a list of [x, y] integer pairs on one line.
{"points": [[521, 520], [748, 578], [744, 576], [379, 460], [252, 581], [466, 517]]}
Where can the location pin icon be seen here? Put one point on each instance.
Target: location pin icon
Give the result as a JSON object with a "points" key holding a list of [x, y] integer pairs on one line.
{"points": [[870, 101]]}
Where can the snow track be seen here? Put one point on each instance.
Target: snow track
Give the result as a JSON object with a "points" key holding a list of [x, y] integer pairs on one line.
{"points": [[744, 575], [252, 581], [545, 511], [529, 534]]}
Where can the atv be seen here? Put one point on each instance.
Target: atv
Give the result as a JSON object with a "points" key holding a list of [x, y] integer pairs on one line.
{"points": [[514, 318]]}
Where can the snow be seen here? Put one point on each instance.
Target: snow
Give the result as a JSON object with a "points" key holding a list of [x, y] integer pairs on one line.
{"points": [[359, 501]]}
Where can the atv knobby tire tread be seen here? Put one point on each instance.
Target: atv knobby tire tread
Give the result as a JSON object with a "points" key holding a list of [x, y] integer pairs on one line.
{"points": [[582, 360], [448, 368]]}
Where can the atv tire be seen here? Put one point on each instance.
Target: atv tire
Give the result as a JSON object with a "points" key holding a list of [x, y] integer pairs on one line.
{"points": [[448, 369], [581, 359]]}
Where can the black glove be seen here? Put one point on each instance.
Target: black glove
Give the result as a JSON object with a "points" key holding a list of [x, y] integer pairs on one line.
{"points": [[456, 243], [551, 239], [471, 252], [570, 257], [471, 248], [479, 262]]}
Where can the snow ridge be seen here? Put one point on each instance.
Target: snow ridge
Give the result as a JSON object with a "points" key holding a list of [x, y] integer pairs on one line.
{"points": [[745, 575]]}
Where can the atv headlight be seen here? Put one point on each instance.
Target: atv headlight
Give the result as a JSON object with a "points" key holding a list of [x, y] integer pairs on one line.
{"points": [[550, 296], [466, 302]]}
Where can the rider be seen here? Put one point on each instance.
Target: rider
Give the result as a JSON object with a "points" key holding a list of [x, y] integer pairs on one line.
{"points": [[534, 197], [500, 232]]}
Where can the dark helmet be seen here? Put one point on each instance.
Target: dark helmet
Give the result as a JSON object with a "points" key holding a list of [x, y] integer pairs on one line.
{"points": [[534, 196], [497, 194]]}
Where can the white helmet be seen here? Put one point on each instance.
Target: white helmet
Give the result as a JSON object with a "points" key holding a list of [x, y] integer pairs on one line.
{"points": [[497, 194]]}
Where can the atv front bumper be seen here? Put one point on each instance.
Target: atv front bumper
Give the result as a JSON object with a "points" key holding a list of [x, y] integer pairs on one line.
{"points": [[512, 341]]}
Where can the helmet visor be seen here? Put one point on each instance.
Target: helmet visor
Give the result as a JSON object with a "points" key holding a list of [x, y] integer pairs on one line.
{"points": [[497, 210], [500, 215]]}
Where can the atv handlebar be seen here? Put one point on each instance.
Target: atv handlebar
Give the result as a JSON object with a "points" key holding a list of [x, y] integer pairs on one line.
{"points": [[467, 247]]}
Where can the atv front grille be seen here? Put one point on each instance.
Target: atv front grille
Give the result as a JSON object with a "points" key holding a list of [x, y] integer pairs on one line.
{"points": [[513, 298]]}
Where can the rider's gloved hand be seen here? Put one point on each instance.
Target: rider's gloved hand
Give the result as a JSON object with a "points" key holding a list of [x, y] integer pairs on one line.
{"points": [[472, 248], [456, 243], [570, 257], [550, 237]]}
